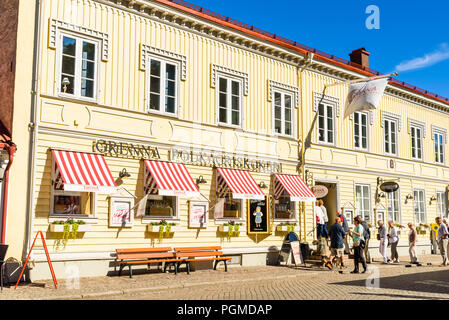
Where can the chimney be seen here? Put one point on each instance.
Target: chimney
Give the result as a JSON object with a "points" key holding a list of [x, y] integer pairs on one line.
{"points": [[360, 56]]}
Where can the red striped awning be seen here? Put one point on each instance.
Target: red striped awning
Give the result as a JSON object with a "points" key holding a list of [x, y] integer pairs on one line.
{"points": [[169, 179], [239, 182], [79, 171], [294, 186]]}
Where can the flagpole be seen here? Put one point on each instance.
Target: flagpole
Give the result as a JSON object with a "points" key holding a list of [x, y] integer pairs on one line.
{"points": [[361, 80]]}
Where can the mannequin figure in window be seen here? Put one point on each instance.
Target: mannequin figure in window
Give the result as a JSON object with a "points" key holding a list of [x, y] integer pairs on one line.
{"points": [[258, 214]]}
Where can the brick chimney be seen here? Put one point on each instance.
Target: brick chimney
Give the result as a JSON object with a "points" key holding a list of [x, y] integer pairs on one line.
{"points": [[360, 56]]}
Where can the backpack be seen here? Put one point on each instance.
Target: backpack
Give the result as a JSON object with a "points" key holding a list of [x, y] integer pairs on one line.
{"points": [[366, 232]]}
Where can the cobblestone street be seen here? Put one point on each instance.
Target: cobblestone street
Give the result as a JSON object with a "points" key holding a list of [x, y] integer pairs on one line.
{"points": [[255, 283]]}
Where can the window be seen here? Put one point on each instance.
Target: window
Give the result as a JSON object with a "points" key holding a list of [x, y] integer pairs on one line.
{"points": [[416, 134], [393, 206], [363, 202], [420, 206], [164, 207], [390, 137], [283, 113], [229, 101], [442, 204], [326, 123], [361, 130], [284, 208], [439, 147], [163, 86], [78, 67], [69, 203]]}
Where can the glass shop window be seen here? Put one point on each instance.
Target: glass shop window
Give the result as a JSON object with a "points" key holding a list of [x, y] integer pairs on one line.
{"points": [[73, 203], [284, 208], [161, 207]]}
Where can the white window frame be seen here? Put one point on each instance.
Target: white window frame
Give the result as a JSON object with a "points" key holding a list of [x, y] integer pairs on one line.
{"points": [[53, 193], [360, 114], [163, 61], [334, 135], [442, 204], [294, 208], [363, 185], [414, 142], [79, 38], [437, 131], [387, 123], [292, 107], [398, 209], [418, 221], [229, 80], [175, 218]]}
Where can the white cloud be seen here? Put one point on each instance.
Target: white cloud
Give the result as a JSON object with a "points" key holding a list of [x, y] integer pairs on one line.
{"points": [[428, 60]]}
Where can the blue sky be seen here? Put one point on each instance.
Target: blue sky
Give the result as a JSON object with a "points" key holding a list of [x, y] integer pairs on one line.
{"points": [[413, 37]]}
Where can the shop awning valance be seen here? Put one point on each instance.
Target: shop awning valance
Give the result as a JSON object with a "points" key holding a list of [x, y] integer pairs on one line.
{"points": [[294, 186], [79, 171], [169, 179], [239, 182]]}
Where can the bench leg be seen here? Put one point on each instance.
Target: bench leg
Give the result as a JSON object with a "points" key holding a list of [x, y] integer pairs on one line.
{"points": [[120, 269], [226, 265], [215, 264], [130, 271], [188, 267], [176, 267]]}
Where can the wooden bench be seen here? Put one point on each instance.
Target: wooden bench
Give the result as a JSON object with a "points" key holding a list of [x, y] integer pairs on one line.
{"points": [[129, 257], [189, 254]]}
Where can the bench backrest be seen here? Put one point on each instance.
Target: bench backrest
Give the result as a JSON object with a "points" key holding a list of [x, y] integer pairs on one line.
{"points": [[144, 253], [198, 251]]}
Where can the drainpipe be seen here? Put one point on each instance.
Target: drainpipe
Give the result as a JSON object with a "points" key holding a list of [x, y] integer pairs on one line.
{"points": [[308, 62], [11, 148], [33, 126]]}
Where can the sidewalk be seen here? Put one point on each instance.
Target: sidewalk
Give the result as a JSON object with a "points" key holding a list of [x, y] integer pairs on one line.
{"points": [[152, 281]]}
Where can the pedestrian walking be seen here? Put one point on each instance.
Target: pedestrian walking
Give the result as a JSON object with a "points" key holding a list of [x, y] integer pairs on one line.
{"points": [[442, 239], [346, 229], [325, 218], [357, 237], [319, 220], [393, 237], [337, 234], [412, 237], [383, 241], [367, 236]]}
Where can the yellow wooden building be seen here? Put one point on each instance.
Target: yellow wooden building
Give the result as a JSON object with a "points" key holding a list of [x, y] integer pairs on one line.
{"points": [[124, 92]]}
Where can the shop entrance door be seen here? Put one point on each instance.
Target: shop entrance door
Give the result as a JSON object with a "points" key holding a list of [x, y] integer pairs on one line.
{"points": [[330, 200]]}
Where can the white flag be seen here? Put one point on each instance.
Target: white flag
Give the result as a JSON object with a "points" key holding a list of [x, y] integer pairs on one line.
{"points": [[219, 208], [141, 206], [364, 95]]}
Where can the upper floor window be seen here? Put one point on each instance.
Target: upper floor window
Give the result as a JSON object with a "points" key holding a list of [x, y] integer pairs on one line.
{"points": [[362, 201], [229, 101], [163, 86], [326, 126], [283, 113], [360, 130], [416, 134], [420, 206], [439, 147], [78, 66], [390, 137]]}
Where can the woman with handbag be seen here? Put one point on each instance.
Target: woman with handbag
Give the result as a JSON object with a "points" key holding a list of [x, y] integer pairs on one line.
{"points": [[394, 240], [357, 236]]}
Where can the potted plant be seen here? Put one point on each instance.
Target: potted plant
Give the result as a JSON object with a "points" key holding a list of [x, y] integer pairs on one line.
{"points": [[231, 227], [162, 227], [286, 226], [69, 227]]}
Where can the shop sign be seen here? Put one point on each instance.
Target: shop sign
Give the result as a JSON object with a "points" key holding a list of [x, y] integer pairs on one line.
{"points": [[125, 150], [218, 159], [198, 214], [121, 212], [258, 216], [319, 191]]}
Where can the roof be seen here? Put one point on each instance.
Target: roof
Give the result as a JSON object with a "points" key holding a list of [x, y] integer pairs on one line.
{"points": [[290, 44]]}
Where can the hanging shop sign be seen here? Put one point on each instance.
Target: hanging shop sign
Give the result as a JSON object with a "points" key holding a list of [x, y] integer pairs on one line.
{"points": [[121, 212], [258, 219], [198, 214], [389, 186], [222, 160], [125, 150], [319, 191]]}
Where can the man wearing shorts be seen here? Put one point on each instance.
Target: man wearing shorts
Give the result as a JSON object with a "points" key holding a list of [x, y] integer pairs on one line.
{"points": [[337, 235]]}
